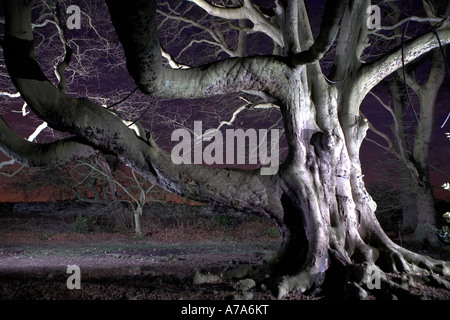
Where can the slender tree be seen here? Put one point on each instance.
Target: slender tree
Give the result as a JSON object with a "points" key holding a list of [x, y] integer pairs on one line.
{"points": [[317, 198], [99, 181], [117, 187]]}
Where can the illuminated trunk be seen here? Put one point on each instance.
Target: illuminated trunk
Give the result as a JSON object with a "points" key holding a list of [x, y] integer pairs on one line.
{"points": [[327, 215]]}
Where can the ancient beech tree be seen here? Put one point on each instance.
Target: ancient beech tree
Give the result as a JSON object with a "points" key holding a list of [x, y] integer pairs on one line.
{"points": [[317, 198]]}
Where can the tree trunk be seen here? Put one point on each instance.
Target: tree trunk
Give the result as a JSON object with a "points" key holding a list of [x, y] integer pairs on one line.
{"points": [[138, 222], [328, 219], [139, 211], [419, 214], [323, 198]]}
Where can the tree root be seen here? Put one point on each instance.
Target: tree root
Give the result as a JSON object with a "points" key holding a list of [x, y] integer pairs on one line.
{"points": [[377, 270], [396, 274], [300, 282], [400, 275]]}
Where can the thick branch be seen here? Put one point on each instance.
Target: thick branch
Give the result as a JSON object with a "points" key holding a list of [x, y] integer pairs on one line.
{"points": [[328, 32], [244, 190], [372, 73], [136, 27], [352, 40], [33, 154]]}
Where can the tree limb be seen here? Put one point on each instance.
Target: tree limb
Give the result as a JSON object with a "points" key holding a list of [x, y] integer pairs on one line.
{"points": [[172, 63], [390, 145], [401, 154], [372, 73], [135, 24], [334, 10], [62, 66], [408, 19], [246, 11], [34, 154], [352, 40]]}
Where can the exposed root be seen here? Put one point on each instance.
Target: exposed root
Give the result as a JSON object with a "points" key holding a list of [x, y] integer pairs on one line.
{"points": [[391, 278], [403, 272], [426, 263], [298, 283], [396, 274]]}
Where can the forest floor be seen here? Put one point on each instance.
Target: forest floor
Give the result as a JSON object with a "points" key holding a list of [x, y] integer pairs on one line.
{"points": [[186, 253]]}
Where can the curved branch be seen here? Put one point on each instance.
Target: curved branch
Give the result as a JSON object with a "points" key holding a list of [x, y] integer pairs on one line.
{"points": [[390, 145], [172, 63], [244, 190], [11, 95], [36, 155], [136, 27], [401, 154], [372, 73], [232, 13], [407, 19]]}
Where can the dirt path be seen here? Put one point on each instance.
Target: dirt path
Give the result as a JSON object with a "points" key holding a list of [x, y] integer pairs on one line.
{"points": [[125, 270]]}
